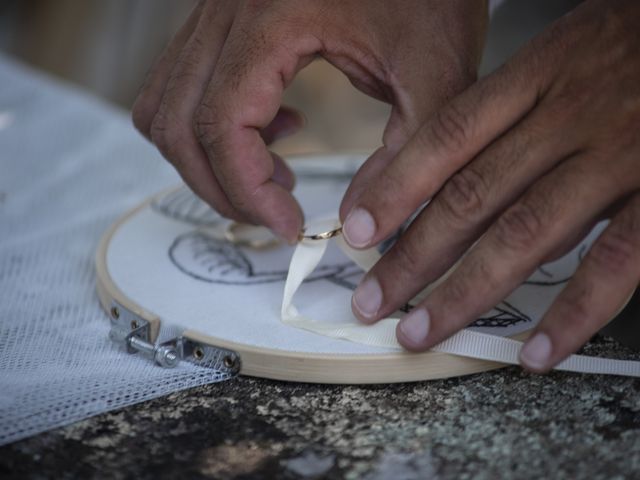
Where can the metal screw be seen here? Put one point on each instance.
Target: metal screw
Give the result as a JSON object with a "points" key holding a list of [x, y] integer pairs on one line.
{"points": [[115, 312], [134, 324], [198, 353], [164, 355], [228, 361]]}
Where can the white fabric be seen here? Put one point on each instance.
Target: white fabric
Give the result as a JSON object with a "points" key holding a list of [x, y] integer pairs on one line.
{"points": [[69, 166], [466, 343], [173, 245], [176, 245]]}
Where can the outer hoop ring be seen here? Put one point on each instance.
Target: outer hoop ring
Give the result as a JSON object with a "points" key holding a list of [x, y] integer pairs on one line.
{"points": [[294, 365]]}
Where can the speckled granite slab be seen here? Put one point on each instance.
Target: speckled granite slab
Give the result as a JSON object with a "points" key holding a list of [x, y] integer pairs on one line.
{"points": [[502, 424]]}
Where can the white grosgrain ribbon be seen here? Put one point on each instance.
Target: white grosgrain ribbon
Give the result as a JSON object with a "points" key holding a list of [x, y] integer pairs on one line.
{"points": [[465, 343]]}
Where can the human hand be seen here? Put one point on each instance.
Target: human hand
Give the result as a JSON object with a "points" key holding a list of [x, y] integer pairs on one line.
{"points": [[212, 101], [524, 163]]}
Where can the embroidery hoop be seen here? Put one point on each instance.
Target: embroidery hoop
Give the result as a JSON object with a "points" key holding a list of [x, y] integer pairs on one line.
{"points": [[290, 364]]}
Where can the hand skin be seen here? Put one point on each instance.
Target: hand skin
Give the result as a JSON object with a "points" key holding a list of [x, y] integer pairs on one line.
{"points": [[212, 102], [524, 162]]}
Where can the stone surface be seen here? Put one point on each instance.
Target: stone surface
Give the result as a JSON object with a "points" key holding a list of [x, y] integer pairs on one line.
{"points": [[500, 424]]}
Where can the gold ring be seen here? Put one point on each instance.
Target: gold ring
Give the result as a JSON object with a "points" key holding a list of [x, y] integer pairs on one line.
{"points": [[233, 234], [320, 236]]}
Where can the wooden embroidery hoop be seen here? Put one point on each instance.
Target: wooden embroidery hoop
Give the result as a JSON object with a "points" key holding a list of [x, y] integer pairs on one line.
{"points": [[298, 366]]}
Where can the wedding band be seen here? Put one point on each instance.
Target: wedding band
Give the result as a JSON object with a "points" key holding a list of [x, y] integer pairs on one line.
{"points": [[233, 234], [320, 236]]}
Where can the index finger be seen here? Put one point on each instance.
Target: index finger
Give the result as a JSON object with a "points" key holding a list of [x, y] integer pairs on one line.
{"points": [[447, 141], [243, 97]]}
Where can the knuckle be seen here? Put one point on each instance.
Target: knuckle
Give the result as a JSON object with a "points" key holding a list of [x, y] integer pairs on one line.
{"points": [[573, 306], [463, 197], [185, 70], [206, 125], [456, 291], [387, 194], [167, 136], [570, 96], [450, 128], [613, 251], [518, 229], [142, 114], [468, 284], [404, 258]]}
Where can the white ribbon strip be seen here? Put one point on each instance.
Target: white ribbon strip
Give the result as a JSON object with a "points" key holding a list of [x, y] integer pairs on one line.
{"points": [[465, 343]]}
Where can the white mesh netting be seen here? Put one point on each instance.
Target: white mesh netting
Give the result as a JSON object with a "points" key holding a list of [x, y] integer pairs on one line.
{"points": [[69, 166]]}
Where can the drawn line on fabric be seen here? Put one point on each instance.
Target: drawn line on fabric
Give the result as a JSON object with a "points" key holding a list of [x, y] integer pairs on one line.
{"points": [[217, 261]]}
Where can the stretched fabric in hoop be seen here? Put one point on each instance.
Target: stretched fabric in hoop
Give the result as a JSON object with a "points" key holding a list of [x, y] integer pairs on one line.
{"points": [[465, 343]]}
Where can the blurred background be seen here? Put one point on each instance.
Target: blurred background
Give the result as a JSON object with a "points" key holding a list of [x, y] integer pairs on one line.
{"points": [[106, 46]]}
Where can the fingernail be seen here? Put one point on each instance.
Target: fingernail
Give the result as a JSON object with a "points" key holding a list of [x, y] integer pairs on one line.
{"points": [[285, 132], [415, 326], [359, 228], [285, 234], [368, 297], [536, 352]]}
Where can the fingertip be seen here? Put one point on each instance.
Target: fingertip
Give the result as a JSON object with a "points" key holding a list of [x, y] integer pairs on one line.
{"points": [[287, 231], [535, 355], [359, 228], [288, 224], [367, 300], [285, 235], [413, 329], [356, 313]]}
